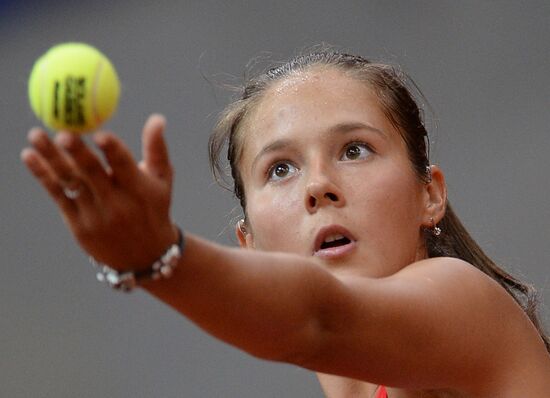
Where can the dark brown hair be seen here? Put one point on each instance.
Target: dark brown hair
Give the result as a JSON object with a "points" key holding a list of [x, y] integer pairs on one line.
{"points": [[399, 105]]}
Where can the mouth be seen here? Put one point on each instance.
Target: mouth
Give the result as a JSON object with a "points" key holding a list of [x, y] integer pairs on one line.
{"points": [[333, 241]]}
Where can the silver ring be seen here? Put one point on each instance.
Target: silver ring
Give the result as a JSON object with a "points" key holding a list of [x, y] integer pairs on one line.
{"points": [[71, 193]]}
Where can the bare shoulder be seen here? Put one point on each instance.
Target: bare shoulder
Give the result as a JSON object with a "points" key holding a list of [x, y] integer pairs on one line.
{"points": [[453, 275], [438, 323], [509, 344], [446, 267], [462, 287]]}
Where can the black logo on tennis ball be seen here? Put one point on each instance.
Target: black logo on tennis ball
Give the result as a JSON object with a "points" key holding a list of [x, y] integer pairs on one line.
{"points": [[69, 106]]}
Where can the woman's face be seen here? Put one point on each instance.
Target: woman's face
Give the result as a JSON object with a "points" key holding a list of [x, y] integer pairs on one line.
{"points": [[327, 175]]}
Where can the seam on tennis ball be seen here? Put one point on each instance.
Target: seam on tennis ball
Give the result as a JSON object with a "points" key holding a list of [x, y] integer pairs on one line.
{"points": [[95, 87], [42, 81]]}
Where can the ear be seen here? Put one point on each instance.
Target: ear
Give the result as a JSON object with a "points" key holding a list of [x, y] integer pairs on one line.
{"points": [[435, 197], [243, 235]]}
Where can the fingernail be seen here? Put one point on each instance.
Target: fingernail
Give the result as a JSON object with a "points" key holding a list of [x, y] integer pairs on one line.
{"points": [[160, 117], [99, 138], [25, 153], [34, 133], [27, 157], [64, 139]]}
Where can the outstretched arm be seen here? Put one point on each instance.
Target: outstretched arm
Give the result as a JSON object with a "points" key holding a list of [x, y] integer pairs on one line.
{"points": [[408, 328], [121, 218]]}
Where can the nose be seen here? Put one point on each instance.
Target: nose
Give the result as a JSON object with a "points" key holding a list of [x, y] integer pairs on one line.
{"points": [[320, 192]]}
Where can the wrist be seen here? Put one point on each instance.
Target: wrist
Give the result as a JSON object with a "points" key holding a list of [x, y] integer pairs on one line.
{"points": [[161, 268]]}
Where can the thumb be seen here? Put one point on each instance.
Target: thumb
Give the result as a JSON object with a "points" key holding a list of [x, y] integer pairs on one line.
{"points": [[155, 152]]}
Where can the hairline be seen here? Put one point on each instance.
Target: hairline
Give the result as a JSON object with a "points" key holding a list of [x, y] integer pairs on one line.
{"points": [[255, 100]]}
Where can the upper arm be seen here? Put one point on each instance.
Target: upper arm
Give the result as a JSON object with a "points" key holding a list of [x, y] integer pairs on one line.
{"points": [[437, 323]]}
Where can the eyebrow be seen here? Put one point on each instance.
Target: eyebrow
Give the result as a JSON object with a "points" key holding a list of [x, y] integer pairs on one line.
{"points": [[341, 128]]}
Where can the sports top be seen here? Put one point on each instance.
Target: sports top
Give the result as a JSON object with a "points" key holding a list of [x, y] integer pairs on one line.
{"points": [[382, 393]]}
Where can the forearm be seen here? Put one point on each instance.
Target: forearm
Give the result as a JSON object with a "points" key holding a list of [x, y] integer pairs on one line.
{"points": [[263, 303]]}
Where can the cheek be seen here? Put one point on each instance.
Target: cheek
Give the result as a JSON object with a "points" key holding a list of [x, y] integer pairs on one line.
{"points": [[396, 206], [389, 201], [274, 218]]}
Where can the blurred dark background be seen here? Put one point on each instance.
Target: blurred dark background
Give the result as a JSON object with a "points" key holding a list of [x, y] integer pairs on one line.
{"points": [[484, 67]]}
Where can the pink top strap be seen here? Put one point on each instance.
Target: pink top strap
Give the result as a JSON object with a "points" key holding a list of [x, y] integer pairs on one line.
{"points": [[382, 393]]}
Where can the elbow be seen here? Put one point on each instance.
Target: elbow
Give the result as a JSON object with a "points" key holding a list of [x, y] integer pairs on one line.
{"points": [[297, 348]]}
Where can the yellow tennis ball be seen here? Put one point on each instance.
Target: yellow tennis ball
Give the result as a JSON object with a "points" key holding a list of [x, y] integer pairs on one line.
{"points": [[73, 87]]}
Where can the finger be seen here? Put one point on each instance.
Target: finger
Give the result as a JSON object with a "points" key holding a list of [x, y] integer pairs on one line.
{"points": [[88, 164], [54, 156], [123, 166], [39, 167], [155, 152], [63, 167]]}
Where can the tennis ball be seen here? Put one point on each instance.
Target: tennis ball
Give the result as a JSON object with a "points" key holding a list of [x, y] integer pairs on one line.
{"points": [[73, 87]]}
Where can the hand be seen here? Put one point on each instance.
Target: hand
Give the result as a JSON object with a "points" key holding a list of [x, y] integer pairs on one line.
{"points": [[119, 213]]}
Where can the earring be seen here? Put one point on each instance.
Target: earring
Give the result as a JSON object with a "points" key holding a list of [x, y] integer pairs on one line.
{"points": [[436, 231], [242, 226]]}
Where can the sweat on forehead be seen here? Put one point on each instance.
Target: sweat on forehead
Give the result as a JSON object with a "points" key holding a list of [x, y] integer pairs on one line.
{"points": [[272, 106], [385, 81]]}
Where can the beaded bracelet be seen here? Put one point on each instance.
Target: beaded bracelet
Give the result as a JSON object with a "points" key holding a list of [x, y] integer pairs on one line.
{"points": [[127, 281]]}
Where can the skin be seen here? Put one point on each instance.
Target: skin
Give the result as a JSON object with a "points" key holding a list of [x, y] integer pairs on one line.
{"points": [[378, 313], [313, 118]]}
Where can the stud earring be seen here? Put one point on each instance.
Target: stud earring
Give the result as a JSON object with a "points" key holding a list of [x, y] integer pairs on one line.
{"points": [[436, 231]]}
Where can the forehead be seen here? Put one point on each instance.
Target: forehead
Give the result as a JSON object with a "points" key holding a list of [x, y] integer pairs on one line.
{"points": [[308, 103]]}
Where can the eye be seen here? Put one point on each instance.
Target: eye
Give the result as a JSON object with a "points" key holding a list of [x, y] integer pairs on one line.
{"points": [[356, 151], [280, 171]]}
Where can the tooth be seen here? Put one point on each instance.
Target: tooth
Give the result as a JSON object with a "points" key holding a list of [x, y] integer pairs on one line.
{"points": [[332, 238]]}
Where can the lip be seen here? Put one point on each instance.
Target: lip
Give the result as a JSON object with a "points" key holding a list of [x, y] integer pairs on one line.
{"points": [[333, 252]]}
